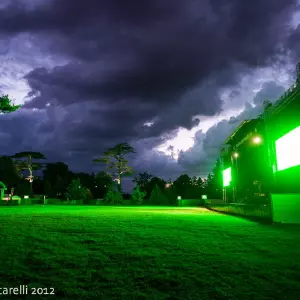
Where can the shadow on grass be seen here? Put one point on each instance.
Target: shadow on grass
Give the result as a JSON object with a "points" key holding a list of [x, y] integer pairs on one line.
{"points": [[257, 219]]}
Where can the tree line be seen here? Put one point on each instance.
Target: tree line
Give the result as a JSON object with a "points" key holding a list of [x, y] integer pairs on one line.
{"points": [[21, 173]]}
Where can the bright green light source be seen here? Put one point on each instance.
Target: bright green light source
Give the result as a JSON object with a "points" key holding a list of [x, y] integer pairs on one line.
{"points": [[204, 197], [288, 150], [226, 177]]}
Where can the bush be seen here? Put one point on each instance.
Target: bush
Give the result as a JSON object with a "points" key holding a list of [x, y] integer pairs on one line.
{"points": [[137, 196], [113, 197], [171, 194], [157, 197], [76, 192]]}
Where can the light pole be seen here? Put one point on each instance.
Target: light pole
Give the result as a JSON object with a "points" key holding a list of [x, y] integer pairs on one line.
{"points": [[234, 161]]}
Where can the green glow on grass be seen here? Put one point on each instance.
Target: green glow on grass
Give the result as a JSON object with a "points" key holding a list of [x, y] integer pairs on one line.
{"points": [[288, 150], [226, 177]]}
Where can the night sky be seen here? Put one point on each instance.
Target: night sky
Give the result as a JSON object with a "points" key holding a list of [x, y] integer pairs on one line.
{"points": [[172, 78]]}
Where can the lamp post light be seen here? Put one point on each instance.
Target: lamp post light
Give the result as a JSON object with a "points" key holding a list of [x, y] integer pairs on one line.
{"points": [[257, 140], [235, 155]]}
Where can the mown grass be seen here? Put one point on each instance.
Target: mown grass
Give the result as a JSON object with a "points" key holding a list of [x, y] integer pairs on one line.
{"points": [[147, 253]]}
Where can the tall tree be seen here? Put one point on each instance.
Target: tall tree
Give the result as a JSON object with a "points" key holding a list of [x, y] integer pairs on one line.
{"points": [[6, 105], [103, 181], [183, 185], [214, 182], [24, 161], [8, 172], [52, 170], [116, 163], [158, 197], [142, 180], [161, 183], [59, 187]]}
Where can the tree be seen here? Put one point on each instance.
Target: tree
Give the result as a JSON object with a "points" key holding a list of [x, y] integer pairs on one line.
{"points": [[142, 180], [76, 192], [102, 182], [138, 195], [157, 197], [22, 188], [113, 197], [8, 172], [214, 182], [171, 194], [161, 183], [59, 187], [52, 170], [183, 185], [6, 105], [87, 180], [115, 161], [28, 164], [47, 188]]}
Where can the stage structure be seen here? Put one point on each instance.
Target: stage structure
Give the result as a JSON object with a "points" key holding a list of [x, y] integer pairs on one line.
{"points": [[263, 154]]}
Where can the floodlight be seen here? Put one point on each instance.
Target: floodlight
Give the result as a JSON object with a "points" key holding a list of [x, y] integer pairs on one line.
{"points": [[226, 177], [235, 155], [288, 150], [204, 197], [256, 140]]}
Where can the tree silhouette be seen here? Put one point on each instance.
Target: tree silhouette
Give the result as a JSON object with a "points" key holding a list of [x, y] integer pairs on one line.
{"points": [[115, 161], [6, 105], [28, 164]]}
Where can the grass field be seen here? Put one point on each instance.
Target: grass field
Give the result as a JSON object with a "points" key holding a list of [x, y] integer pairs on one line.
{"points": [[146, 253]]}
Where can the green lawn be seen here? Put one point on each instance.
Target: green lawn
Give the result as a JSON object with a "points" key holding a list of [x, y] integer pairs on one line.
{"points": [[147, 253]]}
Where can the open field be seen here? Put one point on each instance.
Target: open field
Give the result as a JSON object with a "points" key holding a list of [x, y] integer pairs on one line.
{"points": [[147, 253]]}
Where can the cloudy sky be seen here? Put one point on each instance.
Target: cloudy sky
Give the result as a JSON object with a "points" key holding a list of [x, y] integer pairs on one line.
{"points": [[173, 78]]}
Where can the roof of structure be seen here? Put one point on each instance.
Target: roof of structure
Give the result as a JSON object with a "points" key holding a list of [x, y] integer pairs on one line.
{"points": [[244, 126]]}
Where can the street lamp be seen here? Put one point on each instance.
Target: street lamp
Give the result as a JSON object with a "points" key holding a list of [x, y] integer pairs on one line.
{"points": [[235, 155]]}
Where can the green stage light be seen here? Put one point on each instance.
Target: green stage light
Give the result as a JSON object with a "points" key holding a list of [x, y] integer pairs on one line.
{"points": [[226, 177], [288, 150]]}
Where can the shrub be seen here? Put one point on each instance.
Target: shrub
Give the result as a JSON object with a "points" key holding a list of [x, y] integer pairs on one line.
{"points": [[76, 192], [137, 196], [171, 194], [157, 197], [113, 197]]}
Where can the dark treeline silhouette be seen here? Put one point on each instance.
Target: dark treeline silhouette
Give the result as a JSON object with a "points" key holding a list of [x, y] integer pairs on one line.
{"points": [[57, 181]]}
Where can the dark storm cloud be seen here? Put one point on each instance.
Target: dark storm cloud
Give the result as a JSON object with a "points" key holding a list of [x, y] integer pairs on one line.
{"points": [[160, 49], [206, 149], [294, 43], [131, 62], [270, 91]]}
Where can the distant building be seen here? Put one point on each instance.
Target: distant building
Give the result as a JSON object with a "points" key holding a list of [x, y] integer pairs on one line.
{"points": [[249, 155]]}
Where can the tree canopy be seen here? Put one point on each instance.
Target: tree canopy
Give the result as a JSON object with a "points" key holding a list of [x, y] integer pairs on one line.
{"points": [[116, 163], [6, 105]]}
